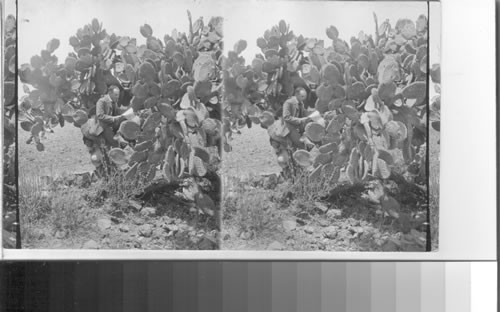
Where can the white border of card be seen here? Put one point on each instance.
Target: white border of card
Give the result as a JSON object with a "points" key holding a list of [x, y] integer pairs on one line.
{"points": [[467, 229]]}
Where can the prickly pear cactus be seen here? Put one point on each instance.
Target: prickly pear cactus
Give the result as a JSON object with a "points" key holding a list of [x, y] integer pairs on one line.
{"points": [[172, 84], [371, 94]]}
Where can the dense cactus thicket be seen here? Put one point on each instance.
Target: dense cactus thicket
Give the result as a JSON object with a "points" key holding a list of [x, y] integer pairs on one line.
{"points": [[172, 84], [9, 133], [371, 94]]}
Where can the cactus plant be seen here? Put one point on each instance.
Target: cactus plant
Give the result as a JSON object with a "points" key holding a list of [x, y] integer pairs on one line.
{"points": [[173, 86], [369, 92]]}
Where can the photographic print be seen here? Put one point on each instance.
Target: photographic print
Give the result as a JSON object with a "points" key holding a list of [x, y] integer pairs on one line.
{"points": [[326, 115], [119, 122], [218, 125]]}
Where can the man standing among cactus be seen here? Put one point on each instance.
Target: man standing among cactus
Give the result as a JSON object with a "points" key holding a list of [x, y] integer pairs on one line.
{"points": [[110, 117], [295, 118], [290, 136]]}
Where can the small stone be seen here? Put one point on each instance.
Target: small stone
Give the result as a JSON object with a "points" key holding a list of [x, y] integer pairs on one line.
{"points": [[172, 228], [104, 224], [91, 244], [289, 225], [303, 215], [301, 222], [320, 207], [139, 221], [117, 214], [276, 246], [134, 205], [330, 232], [61, 234], [246, 235], [324, 223], [148, 212], [207, 243], [105, 241], [108, 208], [39, 234], [124, 228], [227, 236], [334, 213], [158, 233], [358, 229], [309, 229], [146, 230]]}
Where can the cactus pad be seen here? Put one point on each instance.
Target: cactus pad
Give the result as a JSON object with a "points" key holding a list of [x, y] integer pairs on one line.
{"points": [[129, 130], [147, 71], [415, 90], [330, 74], [303, 158], [80, 117], [314, 131], [118, 156]]}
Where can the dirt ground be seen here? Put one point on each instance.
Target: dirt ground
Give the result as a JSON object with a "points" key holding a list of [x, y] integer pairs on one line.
{"points": [[64, 152], [251, 154]]}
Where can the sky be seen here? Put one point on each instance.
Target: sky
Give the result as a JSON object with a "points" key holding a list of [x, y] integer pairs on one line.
{"points": [[249, 20], [40, 21]]}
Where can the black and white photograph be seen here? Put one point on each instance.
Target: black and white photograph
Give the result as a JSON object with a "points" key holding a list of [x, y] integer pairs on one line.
{"points": [[119, 124], [218, 125], [326, 132]]}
